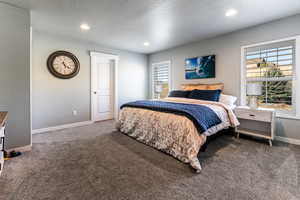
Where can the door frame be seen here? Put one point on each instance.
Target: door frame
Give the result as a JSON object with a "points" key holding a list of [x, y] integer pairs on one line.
{"points": [[115, 58]]}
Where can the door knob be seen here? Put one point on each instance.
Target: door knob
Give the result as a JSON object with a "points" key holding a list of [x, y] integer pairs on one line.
{"points": [[95, 92]]}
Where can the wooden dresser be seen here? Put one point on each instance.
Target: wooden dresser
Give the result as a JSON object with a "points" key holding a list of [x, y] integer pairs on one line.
{"points": [[3, 120]]}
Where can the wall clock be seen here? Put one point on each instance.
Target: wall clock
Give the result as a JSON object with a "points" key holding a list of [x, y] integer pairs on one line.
{"points": [[63, 64]]}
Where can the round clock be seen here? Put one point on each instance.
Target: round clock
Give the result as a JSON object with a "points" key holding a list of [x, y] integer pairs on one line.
{"points": [[63, 64]]}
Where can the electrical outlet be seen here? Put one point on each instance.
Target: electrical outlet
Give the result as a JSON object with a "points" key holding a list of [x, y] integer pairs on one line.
{"points": [[74, 112]]}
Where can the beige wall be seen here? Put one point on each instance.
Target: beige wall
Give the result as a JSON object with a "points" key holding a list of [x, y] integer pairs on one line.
{"points": [[227, 49], [55, 99]]}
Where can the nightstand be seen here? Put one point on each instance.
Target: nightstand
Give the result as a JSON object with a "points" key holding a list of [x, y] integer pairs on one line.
{"points": [[256, 122]]}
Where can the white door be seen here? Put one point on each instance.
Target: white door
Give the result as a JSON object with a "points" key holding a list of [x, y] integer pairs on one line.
{"points": [[102, 89]]}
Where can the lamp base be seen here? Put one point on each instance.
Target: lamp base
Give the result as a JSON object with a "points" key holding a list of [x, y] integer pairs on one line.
{"points": [[253, 102]]}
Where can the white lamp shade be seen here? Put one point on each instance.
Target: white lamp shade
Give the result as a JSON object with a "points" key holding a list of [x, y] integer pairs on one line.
{"points": [[158, 88], [254, 89]]}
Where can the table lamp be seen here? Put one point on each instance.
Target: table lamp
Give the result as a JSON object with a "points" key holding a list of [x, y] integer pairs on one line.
{"points": [[158, 90], [254, 89]]}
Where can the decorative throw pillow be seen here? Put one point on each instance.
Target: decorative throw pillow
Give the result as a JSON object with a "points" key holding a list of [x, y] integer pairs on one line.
{"points": [[207, 95], [227, 99], [179, 93]]}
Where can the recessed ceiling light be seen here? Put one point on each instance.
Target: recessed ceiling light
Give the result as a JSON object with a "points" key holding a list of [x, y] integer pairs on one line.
{"points": [[231, 12], [146, 44], [85, 27]]}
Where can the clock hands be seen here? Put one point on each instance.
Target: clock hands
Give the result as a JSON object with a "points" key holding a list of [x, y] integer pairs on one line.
{"points": [[66, 66]]}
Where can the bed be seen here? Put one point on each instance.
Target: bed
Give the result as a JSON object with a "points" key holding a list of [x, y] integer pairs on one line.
{"points": [[175, 125]]}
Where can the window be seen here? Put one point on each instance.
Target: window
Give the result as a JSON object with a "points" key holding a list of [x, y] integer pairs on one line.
{"points": [[273, 65], [160, 79]]}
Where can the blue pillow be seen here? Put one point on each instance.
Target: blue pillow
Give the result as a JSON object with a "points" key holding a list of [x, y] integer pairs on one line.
{"points": [[207, 95], [179, 93]]}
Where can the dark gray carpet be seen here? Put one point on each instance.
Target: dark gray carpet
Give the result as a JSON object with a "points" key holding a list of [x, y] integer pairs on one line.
{"points": [[96, 162]]}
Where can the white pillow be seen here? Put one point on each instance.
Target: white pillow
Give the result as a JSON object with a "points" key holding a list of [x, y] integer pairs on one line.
{"points": [[228, 100]]}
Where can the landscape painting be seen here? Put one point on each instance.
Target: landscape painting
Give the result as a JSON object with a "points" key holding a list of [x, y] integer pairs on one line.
{"points": [[200, 67]]}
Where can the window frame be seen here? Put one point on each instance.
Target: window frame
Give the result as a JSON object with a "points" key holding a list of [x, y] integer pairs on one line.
{"points": [[168, 62], [295, 114]]}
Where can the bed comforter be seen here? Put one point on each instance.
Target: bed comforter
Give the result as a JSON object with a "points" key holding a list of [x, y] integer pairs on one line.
{"points": [[172, 133]]}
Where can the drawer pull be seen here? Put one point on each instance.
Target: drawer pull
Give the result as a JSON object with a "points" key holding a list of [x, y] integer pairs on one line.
{"points": [[251, 115]]}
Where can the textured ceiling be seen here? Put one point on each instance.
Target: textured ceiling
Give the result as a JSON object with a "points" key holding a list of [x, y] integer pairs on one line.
{"points": [[127, 24]]}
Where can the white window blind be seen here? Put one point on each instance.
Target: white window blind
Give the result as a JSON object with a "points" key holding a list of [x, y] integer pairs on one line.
{"points": [[160, 79], [273, 66]]}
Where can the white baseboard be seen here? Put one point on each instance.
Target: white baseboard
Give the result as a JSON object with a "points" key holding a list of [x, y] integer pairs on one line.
{"points": [[60, 127], [288, 140], [21, 149]]}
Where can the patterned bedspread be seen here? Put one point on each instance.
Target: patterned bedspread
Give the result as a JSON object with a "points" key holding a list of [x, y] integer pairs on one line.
{"points": [[194, 112], [172, 133]]}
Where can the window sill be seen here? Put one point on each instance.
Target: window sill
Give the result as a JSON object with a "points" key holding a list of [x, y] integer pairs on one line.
{"points": [[287, 116]]}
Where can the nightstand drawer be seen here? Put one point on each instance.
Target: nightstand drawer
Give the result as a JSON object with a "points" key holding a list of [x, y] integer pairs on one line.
{"points": [[258, 115]]}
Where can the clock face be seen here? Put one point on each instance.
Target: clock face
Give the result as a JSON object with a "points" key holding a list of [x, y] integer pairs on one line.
{"points": [[63, 64]]}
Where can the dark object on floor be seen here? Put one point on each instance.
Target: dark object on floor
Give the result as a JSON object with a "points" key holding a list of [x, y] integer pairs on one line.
{"points": [[11, 154], [5, 154]]}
